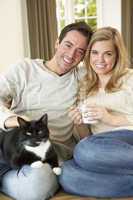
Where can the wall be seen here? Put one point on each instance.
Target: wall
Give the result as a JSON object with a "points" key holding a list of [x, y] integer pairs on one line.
{"points": [[13, 32]]}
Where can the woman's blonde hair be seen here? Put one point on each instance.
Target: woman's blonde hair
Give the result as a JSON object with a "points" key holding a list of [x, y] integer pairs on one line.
{"points": [[90, 84]]}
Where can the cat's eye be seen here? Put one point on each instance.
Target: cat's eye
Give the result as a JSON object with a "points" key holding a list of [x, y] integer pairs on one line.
{"points": [[28, 133], [40, 132]]}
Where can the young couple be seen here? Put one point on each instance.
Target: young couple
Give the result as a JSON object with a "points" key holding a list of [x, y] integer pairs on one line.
{"points": [[32, 87]]}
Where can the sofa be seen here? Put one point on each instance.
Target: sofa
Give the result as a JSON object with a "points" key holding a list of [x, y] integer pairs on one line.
{"points": [[59, 196], [64, 196]]}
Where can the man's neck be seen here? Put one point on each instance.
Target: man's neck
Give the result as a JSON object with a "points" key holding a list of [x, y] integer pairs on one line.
{"points": [[51, 65]]}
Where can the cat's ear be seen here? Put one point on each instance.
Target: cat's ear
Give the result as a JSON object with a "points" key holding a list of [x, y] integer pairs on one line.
{"points": [[22, 123], [44, 119]]}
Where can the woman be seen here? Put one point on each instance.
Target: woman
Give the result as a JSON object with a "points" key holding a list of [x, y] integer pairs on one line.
{"points": [[102, 165]]}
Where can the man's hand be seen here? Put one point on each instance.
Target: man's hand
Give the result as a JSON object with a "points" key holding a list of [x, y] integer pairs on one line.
{"points": [[12, 121], [75, 115]]}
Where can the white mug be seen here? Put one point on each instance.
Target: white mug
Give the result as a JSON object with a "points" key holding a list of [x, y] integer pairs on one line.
{"points": [[86, 115]]}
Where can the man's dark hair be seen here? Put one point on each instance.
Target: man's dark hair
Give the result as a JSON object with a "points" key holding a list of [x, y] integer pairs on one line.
{"points": [[81, 27]]}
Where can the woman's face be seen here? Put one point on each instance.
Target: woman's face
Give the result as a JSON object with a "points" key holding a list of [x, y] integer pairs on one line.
{"points": [[102, 57]]}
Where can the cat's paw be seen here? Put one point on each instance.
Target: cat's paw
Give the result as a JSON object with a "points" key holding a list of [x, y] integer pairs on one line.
{"points": [[37, 164], [57, 170]]}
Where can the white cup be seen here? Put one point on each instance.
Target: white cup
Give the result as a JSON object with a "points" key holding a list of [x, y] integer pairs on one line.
{"points": [[86, 115]]}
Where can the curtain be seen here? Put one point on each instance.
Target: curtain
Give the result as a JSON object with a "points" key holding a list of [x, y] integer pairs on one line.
{"points": [[42, 25], [127, 26]]}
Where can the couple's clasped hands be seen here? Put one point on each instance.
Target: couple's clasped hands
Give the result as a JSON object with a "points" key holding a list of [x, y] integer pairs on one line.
{"points": [[93, 112]]}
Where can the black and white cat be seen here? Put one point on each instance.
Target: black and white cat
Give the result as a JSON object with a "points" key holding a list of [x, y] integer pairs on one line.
{"points": [[28, 144]]}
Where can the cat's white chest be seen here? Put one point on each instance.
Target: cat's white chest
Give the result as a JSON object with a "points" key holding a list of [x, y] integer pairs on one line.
{"points": [[40, 150]]}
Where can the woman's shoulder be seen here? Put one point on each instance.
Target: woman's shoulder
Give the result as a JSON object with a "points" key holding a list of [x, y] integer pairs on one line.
{"points": [[128, 77]]}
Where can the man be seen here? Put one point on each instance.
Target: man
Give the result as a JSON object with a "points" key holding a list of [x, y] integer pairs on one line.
{"points": [[34, 87]]}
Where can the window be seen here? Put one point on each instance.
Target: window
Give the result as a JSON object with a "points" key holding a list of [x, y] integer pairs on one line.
{"points": [[69, 11]]}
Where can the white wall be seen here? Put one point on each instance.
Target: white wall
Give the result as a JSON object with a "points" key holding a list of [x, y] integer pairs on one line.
{"points": [[13, 32], [109, 13]]}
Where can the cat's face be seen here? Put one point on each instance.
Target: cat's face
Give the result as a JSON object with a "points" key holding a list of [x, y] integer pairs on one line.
{"points": [[34, 132]]}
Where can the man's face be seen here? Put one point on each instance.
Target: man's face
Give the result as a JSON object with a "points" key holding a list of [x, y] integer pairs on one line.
{"points": [[70, 51]]}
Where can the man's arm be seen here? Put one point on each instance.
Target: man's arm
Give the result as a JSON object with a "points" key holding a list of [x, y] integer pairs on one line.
{"points": [[10, 87]]}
